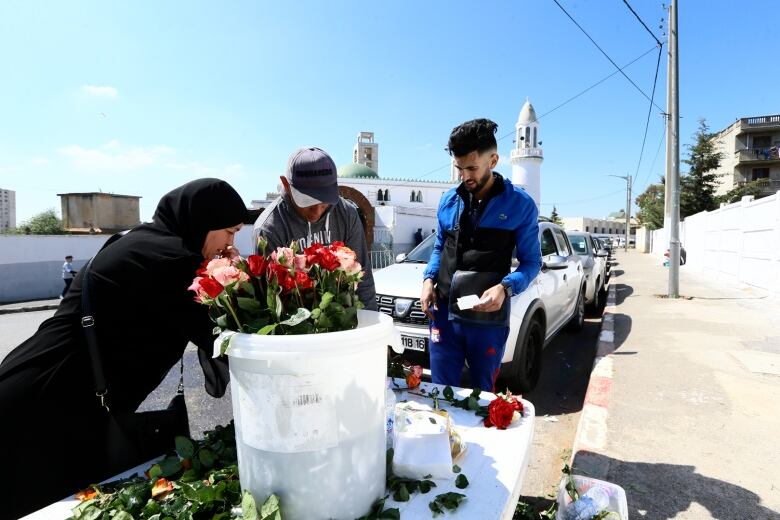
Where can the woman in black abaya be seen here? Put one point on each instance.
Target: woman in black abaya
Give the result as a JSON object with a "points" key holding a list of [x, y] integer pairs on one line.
{"points": [[51, 435]]}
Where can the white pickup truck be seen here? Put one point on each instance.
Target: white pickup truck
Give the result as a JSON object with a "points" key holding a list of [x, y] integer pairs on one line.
{"points": [[554, 299]]}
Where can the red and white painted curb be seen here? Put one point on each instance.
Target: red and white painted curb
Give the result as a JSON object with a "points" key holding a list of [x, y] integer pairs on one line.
{"points": [[591, 433]]}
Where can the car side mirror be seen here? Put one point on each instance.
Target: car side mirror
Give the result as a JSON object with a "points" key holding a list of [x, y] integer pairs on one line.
{"points": [[400, 258], [555, 262], [602, 253]]}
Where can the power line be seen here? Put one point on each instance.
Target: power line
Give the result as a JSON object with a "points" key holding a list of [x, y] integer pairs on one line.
{"points": [[599, 82], [642, 22], [652, 165], [649, 111], [604, 53]]}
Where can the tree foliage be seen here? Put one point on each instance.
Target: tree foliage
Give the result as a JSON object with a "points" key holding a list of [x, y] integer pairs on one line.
{"points": [[651, 206], [755, 188], [697, 187], [555, 218], [44, 223]]}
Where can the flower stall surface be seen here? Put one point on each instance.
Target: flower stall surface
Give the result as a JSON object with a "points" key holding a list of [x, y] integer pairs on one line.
{"points": [[484, 485]]}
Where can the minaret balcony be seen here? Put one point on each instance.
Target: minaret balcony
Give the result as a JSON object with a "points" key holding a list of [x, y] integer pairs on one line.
{"points": [[518, 153]]}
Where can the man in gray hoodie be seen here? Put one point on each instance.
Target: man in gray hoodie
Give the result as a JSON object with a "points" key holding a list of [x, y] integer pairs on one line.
{"points": [[310, 210]]}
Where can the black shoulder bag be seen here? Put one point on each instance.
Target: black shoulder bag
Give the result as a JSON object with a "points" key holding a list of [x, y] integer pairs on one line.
{"points": [[131, 438]]}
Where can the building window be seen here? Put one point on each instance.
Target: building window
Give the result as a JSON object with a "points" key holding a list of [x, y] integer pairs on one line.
{"points": [[535, 137], [610, 231], [419, 196], [527, 136], [412, 196], [587, 229], [603, 230], [760, 173], [762, 141]]}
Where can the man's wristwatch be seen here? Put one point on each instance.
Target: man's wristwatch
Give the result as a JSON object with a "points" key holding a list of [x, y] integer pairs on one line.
{"points": [[508, 290]]}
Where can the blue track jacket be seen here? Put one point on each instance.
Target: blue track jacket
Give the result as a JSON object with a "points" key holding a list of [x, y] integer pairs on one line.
{"points": [[513, 210]]}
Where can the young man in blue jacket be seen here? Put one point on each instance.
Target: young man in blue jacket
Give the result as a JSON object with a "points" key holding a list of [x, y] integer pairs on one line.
{"points": [[480, 224]]}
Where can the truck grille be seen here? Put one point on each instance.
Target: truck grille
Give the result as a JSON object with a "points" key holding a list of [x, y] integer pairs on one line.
{"points": [[414, 316]]}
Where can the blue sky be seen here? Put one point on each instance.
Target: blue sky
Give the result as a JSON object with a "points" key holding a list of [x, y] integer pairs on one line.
{"points": [[139, 97]]}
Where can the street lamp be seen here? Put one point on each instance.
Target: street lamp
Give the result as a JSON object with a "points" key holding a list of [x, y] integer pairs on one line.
{"points": [[628, 204]]}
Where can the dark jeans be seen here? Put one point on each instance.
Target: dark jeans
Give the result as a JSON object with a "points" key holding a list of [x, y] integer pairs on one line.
{"points": [[67, 281]]}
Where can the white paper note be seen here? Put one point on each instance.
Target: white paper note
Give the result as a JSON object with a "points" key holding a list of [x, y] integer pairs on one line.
{"points": [[467, 302]]}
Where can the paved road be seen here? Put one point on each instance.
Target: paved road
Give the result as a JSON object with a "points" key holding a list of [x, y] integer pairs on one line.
{"points": [[558, 400]]}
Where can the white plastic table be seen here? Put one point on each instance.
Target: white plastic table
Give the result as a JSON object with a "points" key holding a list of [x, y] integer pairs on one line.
{"points": [[494, 463]]}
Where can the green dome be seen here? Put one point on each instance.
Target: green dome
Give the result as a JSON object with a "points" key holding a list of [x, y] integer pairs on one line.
{"points": [[357, 171]]}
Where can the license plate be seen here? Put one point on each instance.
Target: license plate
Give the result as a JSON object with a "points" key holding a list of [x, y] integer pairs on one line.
{"points": [[414, 343]]}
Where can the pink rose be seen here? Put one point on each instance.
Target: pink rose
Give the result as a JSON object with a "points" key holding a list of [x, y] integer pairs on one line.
{"points": [[347, 260], [283, 256], [216, 264], [227, 275], [300, 263]]}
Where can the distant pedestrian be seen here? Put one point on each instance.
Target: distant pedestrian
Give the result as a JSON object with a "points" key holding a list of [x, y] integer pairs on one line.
{"points": [[418, 237], [68, 274]]}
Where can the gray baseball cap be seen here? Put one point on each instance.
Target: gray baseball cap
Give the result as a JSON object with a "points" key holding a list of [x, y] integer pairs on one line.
{"points": [[312, 176]]}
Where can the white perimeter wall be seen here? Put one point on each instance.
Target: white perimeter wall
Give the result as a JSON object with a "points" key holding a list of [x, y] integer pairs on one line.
{"points": [[739, 242], [31, 265]]}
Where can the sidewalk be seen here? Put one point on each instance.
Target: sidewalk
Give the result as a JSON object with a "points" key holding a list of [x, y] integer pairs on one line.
{"points": [[38, 305], [682, 410]]}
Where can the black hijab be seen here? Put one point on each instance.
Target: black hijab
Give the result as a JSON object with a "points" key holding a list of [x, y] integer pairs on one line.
{"points": [[192, 210]]}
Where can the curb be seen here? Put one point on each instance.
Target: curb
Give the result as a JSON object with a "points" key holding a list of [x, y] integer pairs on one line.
{"points": [[15, 310], [591, 435]]}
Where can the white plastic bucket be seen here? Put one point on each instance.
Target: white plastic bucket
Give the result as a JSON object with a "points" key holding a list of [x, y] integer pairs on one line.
{"points": [[310, 417]]}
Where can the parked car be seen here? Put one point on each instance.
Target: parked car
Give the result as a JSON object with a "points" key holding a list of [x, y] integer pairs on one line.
{"points": [[602, 243], [594, 265], [553, 300]]}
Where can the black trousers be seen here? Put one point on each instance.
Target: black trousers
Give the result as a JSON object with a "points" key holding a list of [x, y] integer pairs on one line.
{"points": [[67, 281]]}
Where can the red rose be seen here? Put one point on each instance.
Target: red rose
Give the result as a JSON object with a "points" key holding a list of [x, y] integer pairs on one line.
{"points": [[328, 260], [257, 264], [501, 409], [313, 253], [335, 245], [303, 281], [283, 278], [211, 286], [203, 266]]}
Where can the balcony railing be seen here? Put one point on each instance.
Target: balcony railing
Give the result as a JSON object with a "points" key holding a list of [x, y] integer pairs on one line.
{"points": [[761, 121], [526, 152], [769, 185], [758, 154]]}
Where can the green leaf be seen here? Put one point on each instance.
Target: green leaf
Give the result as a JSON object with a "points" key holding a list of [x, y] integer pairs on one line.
{"points": [[248, 288], [455, 468], [222, 322], [270, 509], [155, 472], [326, 299], [300, 315], [184, 447], [216, 330], [267, 329], [91, 513], [248, 507], [206, 457], [472, 403], [449, 394], [389, 514], [461, 482], [279, 307], [123, 515], [401, 494], [170, 466], [249, 304], [316, 313], [224, 345]]}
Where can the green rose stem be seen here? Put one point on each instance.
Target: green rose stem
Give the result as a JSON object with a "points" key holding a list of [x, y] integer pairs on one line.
{"points": [[233, 313]]}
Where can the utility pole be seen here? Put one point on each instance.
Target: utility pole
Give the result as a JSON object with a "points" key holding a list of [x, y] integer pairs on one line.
{"points": [[628, 180], [674, 173], [628, 209]]}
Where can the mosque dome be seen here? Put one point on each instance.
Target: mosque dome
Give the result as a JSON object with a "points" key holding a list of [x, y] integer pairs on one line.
{"points": [[357, 171], [527, 113]]}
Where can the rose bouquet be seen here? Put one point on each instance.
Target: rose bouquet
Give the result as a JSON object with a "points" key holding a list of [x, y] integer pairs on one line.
{"points": [[288, 291]]}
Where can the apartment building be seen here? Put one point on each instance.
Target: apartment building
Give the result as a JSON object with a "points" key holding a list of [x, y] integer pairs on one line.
{"points": [[7, 209], [749, 152]]}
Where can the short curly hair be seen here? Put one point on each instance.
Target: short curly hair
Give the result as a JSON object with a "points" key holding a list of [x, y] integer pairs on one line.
{"points": [[475, 135]]}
